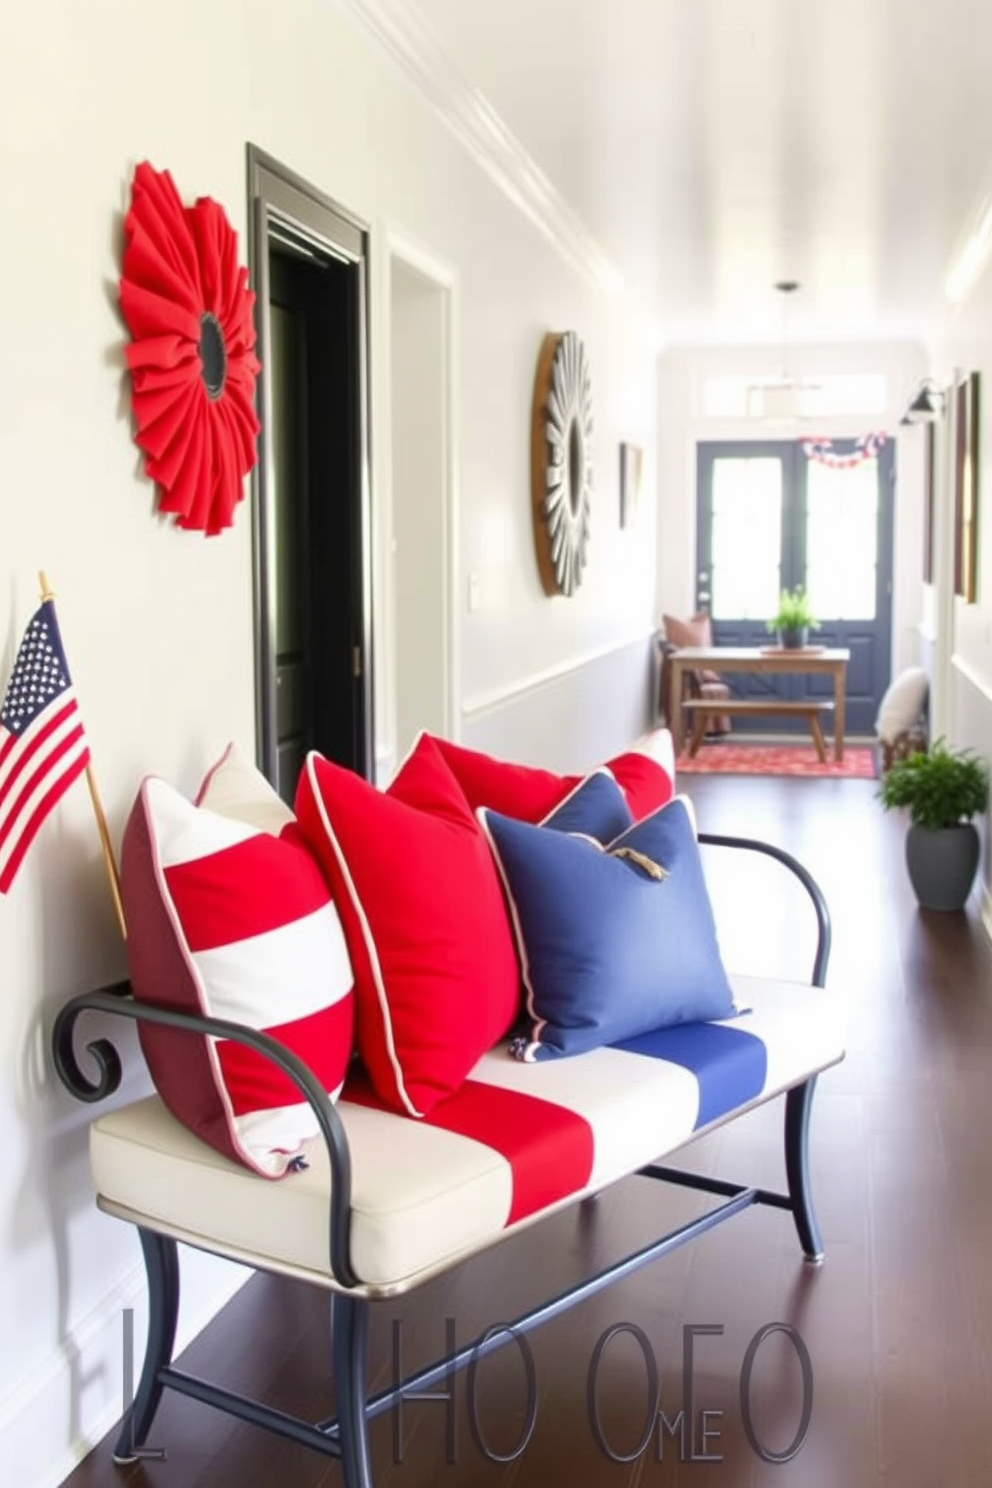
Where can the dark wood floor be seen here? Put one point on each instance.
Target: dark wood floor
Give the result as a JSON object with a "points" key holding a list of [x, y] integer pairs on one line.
{"points": [[897, 1322]]}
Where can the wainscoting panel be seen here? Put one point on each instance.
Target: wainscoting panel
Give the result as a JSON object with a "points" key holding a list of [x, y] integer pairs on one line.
{"points": [[971, 710], [573, 717]]}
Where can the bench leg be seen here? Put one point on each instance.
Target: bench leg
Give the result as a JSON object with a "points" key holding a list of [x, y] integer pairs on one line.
{"points": [[798, 1103], [349, 1342], [698, 732], [162, 1270], [818, 739]]}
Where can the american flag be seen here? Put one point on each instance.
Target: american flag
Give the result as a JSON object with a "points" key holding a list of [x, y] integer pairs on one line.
{"points": [[42, 745]]}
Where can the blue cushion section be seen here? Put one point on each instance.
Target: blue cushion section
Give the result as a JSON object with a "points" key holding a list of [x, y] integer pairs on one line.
{"points": [[609, 950], [597, 807], [730, 1064]]}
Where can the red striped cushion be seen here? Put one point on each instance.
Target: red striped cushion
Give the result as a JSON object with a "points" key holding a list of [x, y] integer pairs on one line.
{"points": [[549, 1148], [228, 915]]}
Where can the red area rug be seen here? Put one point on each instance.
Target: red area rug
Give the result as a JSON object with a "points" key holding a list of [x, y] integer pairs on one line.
{"points": [[777, 759]]}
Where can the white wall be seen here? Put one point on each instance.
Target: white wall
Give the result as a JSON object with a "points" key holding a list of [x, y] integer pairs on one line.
{"points": [[965, 651], [682, 423], [158, 623]]}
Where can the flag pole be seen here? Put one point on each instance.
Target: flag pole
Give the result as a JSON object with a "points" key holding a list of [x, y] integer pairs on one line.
{"points": [[109, 861]]}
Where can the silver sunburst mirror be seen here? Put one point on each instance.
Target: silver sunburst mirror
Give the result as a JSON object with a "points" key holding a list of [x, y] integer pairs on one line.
{"points": [[561, 461]]}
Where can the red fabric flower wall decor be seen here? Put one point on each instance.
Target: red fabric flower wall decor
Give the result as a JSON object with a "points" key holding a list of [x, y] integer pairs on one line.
{"points": [[188, 307]]}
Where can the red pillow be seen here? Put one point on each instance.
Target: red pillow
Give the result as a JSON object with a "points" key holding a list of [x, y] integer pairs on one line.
{"points": [[646, 783], [530, 794], [513, 790], [436, 977], [228, 915]]}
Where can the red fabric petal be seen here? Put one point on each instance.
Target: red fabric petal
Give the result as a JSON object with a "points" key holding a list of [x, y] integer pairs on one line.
{"points": [[157, 208], [239, 324], [165, 438], [162, 417], [229, 489], [244, 424], [216, 248], [145, 265], [193, 475], [218, 437], [232, 286], [160, 413], [150, 314], [164, 352], [158, 379]]}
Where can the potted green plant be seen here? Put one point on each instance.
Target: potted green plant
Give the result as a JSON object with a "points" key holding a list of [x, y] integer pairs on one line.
{"points": [[793, 620], [942, 790]]}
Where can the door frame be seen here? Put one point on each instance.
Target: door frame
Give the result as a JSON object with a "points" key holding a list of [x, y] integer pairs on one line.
{"points": [[277, 195], [792, 550], [399, 248]]}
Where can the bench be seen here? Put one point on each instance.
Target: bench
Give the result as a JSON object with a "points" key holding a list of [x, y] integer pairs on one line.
{"points": [[386, 1202], [702, 710]]}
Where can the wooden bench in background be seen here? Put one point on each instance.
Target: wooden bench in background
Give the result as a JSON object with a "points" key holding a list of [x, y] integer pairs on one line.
{"points": [[702, 710]]}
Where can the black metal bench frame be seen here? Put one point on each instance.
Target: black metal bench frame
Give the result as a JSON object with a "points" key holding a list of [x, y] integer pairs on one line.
{"points": [[346, 1436]]}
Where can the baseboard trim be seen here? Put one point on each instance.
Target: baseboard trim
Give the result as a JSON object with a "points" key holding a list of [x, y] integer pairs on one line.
{"points": [[77, 1391]]}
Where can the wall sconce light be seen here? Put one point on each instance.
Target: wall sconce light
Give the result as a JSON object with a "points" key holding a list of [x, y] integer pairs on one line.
{"points": [[927, 406]]}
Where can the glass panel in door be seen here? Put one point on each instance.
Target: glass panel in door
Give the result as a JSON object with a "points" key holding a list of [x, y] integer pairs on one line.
{"points": [[847, 567], [842, 540], [745, 525]]}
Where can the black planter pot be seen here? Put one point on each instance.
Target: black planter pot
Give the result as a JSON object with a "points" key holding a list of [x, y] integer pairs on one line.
{"points": [[942, 864], [793, 637]]}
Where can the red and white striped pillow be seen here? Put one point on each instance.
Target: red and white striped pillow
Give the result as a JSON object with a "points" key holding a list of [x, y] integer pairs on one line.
{"points": [[229, 915]]}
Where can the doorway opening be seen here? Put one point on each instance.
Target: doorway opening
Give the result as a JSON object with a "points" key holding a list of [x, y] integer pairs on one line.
{"points": [[313, 627]]}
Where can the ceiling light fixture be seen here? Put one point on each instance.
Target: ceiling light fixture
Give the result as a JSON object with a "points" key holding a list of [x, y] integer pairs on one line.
{"points": [[927, 406], [785, 399]]}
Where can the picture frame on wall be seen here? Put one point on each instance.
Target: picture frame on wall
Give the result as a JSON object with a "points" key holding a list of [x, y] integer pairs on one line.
{"points": [[631, 460], [967, 400], [929, 476]]}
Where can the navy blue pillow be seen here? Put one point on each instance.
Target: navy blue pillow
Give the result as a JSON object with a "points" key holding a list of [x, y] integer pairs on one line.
{"points": [[613, 941], [597, 807]]}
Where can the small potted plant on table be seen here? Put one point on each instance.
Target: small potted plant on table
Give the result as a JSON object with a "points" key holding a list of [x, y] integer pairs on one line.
{"points": [[793, 620], [942, 790]]}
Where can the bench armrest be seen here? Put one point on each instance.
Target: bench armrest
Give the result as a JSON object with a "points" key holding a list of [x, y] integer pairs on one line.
{"points": [[822, 956], [117, 1001]]}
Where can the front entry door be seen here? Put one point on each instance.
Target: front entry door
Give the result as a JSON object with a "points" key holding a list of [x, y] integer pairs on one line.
{"points": [[771, 516]]}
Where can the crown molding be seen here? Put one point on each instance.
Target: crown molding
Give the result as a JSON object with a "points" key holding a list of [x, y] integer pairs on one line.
{"points": [[398, 29]]}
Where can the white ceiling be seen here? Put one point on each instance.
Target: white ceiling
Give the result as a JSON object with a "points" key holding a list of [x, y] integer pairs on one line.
{"points": [[711, 147]]}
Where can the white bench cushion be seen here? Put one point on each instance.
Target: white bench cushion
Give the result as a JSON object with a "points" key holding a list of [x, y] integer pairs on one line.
{"points": [[423, 1195]]}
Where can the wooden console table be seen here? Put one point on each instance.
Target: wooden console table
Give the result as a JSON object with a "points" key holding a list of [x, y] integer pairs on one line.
{"points": [[810, 661]]}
